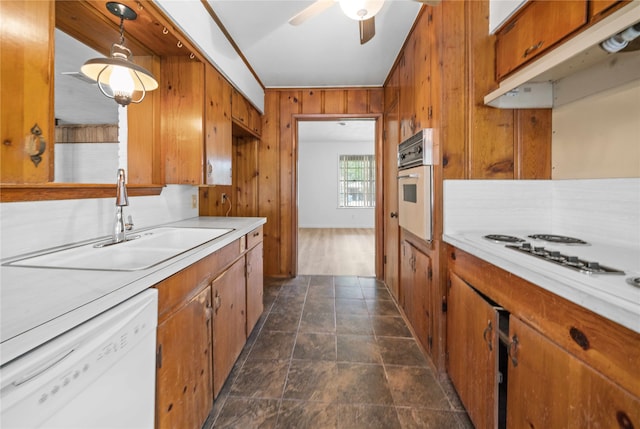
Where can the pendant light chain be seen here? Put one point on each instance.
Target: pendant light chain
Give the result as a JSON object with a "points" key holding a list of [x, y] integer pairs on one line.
{"points": [[121, 29]]}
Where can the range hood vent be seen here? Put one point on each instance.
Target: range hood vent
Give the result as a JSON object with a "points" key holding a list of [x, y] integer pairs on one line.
{"points": [[532, 86]]}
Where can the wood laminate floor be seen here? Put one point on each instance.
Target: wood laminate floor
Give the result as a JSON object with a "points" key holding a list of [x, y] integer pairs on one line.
{"points": [[336, 251], [333, 352]]}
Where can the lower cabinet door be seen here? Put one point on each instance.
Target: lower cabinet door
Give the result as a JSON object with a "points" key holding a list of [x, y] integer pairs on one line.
{"points": [[184, 378], [255, 285], [550, 388], [229, 321], [472, 339]]}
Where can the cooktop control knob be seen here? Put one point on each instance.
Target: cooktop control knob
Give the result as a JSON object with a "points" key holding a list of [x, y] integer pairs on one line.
{"points": [[526, 246]]}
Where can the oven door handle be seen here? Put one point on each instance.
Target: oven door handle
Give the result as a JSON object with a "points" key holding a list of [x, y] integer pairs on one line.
{"points": [[409, 176]]}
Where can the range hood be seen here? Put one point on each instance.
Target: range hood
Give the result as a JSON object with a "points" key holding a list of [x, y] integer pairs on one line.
{"points": [[532, 86]]}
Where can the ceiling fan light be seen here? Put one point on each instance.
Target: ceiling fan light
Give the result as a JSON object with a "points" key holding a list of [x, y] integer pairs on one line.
{"points": [[361, 10]]}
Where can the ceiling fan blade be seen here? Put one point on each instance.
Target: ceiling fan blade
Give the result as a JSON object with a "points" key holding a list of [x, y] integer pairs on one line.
{"points": [[311, 11], [367, 29], [429, 2]]}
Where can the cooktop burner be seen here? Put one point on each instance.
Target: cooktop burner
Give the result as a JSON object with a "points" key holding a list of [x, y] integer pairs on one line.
{"points": [[557, 239], [500, 238], [573, 262], [634, 281]]}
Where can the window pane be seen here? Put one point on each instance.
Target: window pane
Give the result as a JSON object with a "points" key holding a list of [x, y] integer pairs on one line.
{"points": [[356, 180]]}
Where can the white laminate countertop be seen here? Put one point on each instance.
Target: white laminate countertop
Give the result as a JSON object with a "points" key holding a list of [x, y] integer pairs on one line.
{"points": [[38, 304], [607, 295]]}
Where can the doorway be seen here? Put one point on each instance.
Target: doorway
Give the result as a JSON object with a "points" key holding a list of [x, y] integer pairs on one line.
{"points": [[336, 183]]}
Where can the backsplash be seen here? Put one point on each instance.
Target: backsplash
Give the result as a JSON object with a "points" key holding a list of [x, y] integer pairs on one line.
{"points": [[32, 226], [605, 210]]}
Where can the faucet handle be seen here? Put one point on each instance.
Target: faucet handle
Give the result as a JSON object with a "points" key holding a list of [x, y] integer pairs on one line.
{"points": [[129, 225]]}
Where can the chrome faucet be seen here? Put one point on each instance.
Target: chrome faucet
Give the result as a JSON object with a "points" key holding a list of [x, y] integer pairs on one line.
{"points": [[119, 227]]}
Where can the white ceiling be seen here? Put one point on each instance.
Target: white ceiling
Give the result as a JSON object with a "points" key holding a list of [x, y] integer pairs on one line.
{"points": [[323, 51]]}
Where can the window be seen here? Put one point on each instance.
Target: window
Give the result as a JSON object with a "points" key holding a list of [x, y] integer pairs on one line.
{"points": [[357, 181]]}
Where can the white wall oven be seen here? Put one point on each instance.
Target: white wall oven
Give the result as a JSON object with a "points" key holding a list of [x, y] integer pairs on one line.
{"points": [[415, 184]]}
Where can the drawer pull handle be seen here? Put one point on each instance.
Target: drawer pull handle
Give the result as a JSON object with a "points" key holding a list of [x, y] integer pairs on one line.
{"points": [[255, 234], [486, 335], [579, 337], [531, 49]]}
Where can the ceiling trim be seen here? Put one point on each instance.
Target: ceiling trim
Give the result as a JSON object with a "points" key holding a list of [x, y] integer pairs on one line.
{"points": [[218, 22]]}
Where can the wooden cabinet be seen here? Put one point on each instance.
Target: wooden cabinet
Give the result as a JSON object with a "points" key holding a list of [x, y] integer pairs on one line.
{"points": [[26, 84], [598, 8], [245, 115], [229, 321], [415, 292], [538, 26], [549, 388], [218, 135], [204, 313], [561, 366], [472, 340], [195, 123], [255, 278], [184, 375]]}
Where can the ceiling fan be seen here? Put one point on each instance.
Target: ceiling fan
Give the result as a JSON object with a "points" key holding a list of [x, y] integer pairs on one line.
{"points": [[363, 11]]}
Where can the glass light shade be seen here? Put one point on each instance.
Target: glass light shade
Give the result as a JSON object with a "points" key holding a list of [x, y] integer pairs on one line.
{"points": [[119, 78], [361, 9]]}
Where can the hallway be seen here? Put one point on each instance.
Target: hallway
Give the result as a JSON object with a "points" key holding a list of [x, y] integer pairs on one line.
{"points": [[333, 352]]}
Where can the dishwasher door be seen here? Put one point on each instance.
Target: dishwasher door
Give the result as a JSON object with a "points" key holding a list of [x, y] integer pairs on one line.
{"points": [[101, 374]]}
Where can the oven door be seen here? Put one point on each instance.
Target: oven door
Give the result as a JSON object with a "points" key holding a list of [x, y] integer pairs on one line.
{"points": [[414, 200]]}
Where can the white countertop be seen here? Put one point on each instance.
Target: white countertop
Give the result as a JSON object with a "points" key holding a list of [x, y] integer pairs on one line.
{"points": [[38, 304], [605, 294]]}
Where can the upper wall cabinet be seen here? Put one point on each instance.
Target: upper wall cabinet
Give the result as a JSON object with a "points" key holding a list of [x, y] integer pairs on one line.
{"points": [[26, 56], [536, 28], [245, 115], [195, 123]]}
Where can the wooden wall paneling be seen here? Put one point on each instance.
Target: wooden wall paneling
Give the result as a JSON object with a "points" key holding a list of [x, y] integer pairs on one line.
{"points": [[210, 200], [182, 102], [269, 182], [27, 88], [376, 100], [448, 82], [422, 73], [144, 151], [334, 101], [407, 116], [491, 131], [391, 88], [245, 176], [358, 101], [533, 143], [311, 101], [289, 106]]}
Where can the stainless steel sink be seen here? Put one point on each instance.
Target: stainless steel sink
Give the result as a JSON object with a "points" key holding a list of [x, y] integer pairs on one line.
{"points": [[151, 248]]}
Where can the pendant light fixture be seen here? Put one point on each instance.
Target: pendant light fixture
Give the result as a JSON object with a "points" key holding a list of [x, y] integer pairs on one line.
{"points": [[117, 76]]}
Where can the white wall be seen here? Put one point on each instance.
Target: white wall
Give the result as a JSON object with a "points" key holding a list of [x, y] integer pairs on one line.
{"points": [[598, 136], [30, 226], [318, 185]]}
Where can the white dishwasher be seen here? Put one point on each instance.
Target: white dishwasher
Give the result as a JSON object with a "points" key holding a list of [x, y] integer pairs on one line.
{"points": [[100, 374]]}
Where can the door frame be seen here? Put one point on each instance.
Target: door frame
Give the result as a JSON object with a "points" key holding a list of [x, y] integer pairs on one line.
{"points": [[378, 224]]}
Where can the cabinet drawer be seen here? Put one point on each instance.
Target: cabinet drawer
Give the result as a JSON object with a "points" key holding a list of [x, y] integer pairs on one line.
{"points": [[254, 237], [182, 286], [538, 27]]}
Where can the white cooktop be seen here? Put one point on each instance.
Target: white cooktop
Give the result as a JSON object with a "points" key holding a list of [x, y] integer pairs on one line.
{"points": [[608, 295]]}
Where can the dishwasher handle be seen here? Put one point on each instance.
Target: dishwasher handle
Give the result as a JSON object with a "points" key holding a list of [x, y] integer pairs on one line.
{"points": [[43, 367]]}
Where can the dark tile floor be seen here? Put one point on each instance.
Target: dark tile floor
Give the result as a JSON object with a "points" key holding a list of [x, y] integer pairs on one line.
{"points": [[333, 352]]}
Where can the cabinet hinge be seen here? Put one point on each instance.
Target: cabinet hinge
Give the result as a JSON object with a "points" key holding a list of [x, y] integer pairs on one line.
{"points": [[430, 341], [159, 357], [449, 283], [384, 259], [444, 304], [430, 273], [430, 112]]}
